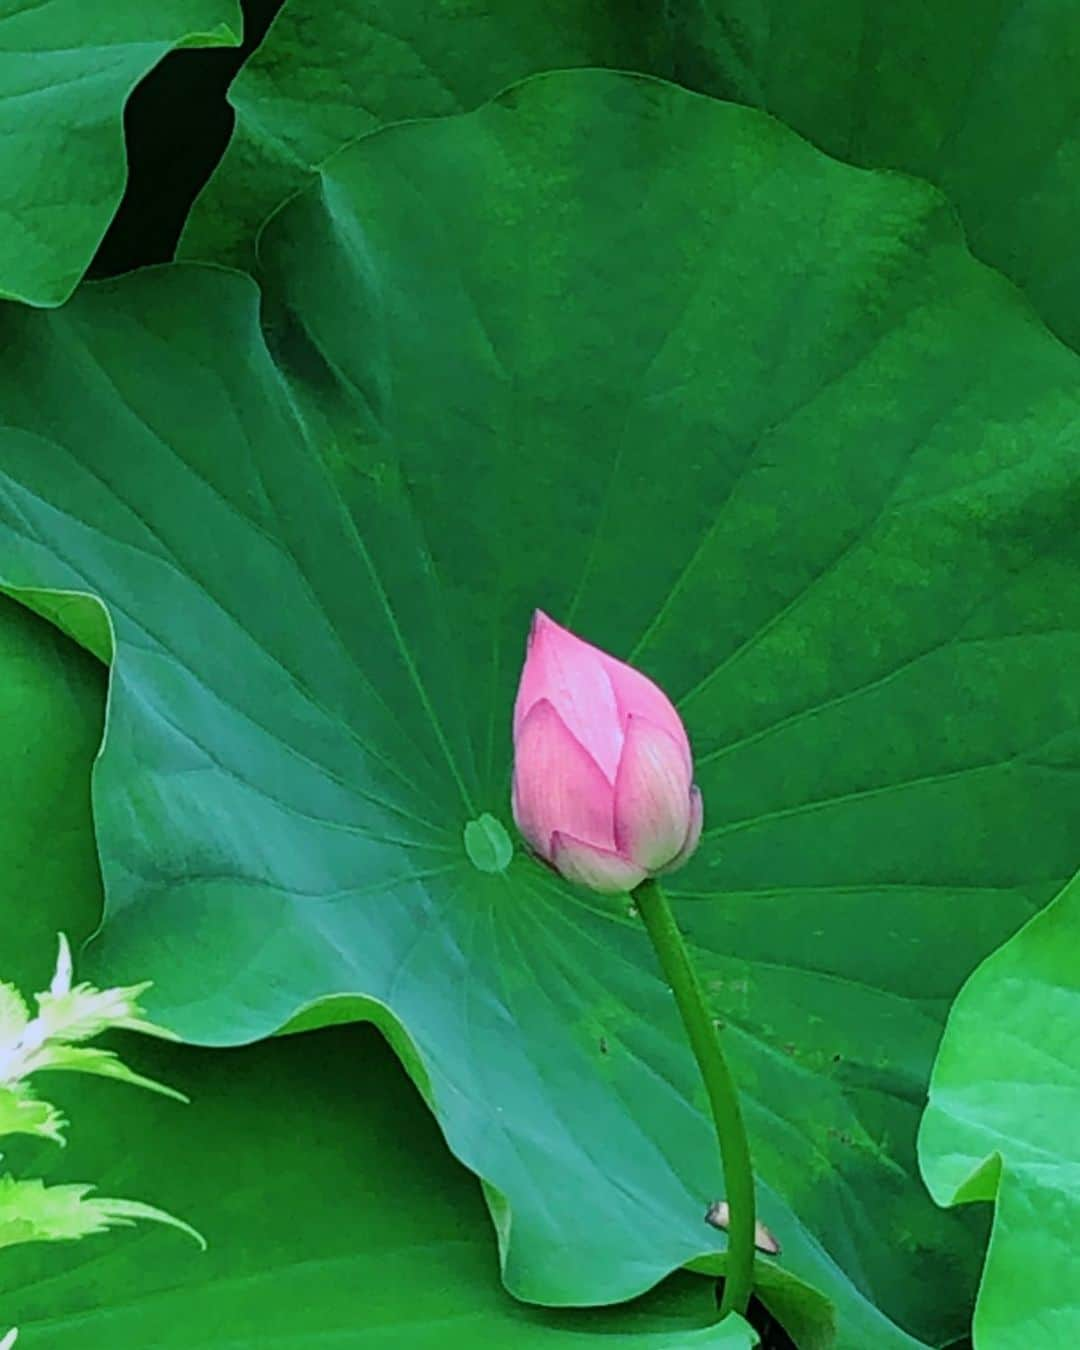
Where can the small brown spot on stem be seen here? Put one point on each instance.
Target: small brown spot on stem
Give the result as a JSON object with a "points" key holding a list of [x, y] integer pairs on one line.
{"points": [[719, 1215]]}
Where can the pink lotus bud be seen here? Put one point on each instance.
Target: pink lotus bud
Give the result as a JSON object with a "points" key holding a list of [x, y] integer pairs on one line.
{"points": [[602, 766]]}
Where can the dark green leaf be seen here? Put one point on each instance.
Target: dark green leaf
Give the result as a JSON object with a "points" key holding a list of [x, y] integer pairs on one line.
{"points": [[980, 98]]}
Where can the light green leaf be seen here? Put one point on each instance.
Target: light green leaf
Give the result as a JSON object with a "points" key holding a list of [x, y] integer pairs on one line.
{"points": [[67, 1014], [30, 1211], [327, 1223], [101, 1063], [83, 1012], [23, 1112], [744, 415], [1000, 1126], [66, 70]]}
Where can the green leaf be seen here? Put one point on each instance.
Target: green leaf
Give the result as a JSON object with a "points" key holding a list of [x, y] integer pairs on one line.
{"points": [[326, 74], [744, 415], [1004, 1098], [66, 70], [979, 99], [333, 1215]]}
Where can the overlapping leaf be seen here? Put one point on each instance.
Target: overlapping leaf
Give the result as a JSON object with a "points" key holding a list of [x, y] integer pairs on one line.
{"points": [[66, 70], [979, 99], [1003, 1099], [746, 416], [326, 74]]}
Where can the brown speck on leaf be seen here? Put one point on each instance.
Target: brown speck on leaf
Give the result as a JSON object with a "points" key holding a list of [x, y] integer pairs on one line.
{"points": [[718, 1214]]}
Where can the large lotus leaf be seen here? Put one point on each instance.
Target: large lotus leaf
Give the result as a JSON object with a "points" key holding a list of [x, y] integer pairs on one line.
{"points": [[332, 1211], [51, 697], [982, 99], [746, 415], [1001, 1125], [66, 70], [325, 74]]}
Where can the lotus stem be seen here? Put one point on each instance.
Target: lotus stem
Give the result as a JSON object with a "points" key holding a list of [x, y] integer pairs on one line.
{"points": [[704, 1041]]}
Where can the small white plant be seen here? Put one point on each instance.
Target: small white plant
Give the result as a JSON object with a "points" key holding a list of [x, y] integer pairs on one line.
{"points": [[68, 1015]]}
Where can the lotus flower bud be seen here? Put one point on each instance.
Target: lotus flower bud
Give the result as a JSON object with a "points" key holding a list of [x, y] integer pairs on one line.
{"points": [[603, 786]]}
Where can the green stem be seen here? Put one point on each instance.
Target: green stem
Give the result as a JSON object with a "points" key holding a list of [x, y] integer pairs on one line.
{"points": [[730, 1132]]}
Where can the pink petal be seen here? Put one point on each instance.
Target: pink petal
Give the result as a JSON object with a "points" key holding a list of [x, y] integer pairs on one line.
{"points": [[693, 835], [652, 796], [598, 868], [637, 696], [557, 784], [571, 675]]}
